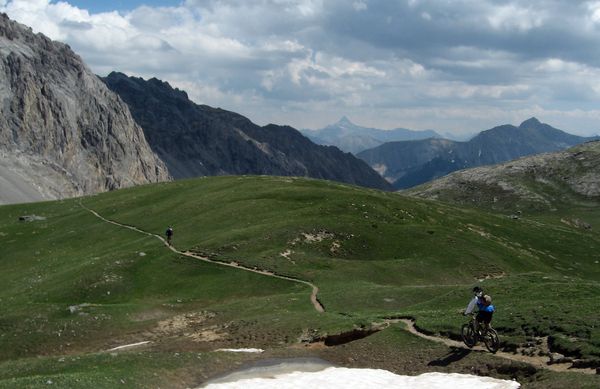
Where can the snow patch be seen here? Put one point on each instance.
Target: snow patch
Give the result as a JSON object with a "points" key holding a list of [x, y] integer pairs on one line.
{"points": [[336, 377], [128, 346], [241, 350], [380, 168]]}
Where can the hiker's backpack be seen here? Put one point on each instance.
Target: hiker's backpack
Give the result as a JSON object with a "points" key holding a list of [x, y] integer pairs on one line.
{"points": [[487, 300]]}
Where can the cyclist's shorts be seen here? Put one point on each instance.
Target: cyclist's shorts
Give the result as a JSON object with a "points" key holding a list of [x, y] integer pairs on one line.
{"points": [[484, 317]]}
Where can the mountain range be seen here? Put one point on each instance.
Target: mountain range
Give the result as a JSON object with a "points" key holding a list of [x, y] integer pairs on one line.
{"points": [[352, 138], [410, 163], [64, 133], [198, 140]]}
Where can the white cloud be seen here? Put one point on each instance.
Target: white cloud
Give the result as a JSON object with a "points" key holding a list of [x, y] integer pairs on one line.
{"points": [[359, 6], [512, 16], [269, 78], [465, 91], [305, 62], [594, 9], [331, 72], [291, 46], [553, 65], [306, 7]]}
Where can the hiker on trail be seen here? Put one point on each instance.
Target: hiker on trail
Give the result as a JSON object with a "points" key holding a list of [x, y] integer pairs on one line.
{"points": [[169, 234], [484, 305]]}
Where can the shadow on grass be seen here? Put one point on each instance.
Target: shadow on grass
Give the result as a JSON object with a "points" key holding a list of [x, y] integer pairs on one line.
{"points": [[454, 356]]}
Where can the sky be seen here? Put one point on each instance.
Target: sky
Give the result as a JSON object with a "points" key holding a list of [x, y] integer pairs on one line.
{"points": [[458, 66], [97, 6], [344, 378]]}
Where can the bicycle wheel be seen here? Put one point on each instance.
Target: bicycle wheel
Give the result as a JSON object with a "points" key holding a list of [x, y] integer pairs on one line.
{"points": [[491, 340], [468, 335]]}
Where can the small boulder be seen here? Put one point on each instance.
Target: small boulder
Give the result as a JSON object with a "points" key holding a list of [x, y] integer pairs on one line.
{"points": [[31, 218], [582, 224], [556, 358]]}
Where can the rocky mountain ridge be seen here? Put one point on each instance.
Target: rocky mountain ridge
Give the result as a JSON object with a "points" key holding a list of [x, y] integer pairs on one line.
{"points": [[408, 164], [543, 181], [198, 140], [57, 119]]}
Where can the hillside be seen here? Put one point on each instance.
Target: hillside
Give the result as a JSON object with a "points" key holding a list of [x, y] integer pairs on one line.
{"points": [[75, 286], [352, 138], [550, 181], [198, 140], [407, 164], [62, 132]]}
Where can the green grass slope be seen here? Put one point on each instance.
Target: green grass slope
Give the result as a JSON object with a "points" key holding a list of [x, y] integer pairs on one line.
{"points": [[73, 285]]}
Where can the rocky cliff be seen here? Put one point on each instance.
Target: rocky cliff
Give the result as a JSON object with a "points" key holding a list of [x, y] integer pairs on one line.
{"points": [[197, 140], [59, 121]]}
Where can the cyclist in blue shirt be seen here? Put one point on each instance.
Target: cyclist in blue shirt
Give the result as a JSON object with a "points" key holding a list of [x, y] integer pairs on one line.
{"points": [[484, 305]]}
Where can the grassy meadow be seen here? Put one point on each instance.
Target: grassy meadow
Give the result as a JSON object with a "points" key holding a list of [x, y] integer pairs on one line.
{"points": [[74, 286]]}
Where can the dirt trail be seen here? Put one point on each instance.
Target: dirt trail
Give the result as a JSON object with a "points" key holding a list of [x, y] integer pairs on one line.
{"points": [[536, 361], [315, 290]]}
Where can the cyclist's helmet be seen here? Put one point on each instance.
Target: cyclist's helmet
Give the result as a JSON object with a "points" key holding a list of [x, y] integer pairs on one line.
{"points": [[478, 291]]}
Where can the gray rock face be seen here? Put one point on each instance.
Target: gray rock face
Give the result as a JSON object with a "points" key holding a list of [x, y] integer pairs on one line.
{"points": [[56, 113], [27, 178]]}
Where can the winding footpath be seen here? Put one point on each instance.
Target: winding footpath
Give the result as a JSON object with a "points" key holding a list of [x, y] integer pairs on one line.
{"points": [[315, 290], [537, 362]]}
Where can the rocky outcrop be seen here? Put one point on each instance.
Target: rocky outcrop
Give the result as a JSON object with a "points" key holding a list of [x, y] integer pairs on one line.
{"points": [[58, 117], [410, 163], [198, 140], [543, 181]]}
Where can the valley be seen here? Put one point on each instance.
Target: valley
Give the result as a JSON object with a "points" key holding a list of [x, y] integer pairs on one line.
{"points": [[76, 286]]}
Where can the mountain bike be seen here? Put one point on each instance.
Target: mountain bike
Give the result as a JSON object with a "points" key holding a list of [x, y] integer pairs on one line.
{"points": [[484, 333]]}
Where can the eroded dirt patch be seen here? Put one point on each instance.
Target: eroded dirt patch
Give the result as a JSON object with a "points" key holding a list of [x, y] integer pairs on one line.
{"points": [[318, 236], [191, 325], [313, 237]]}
